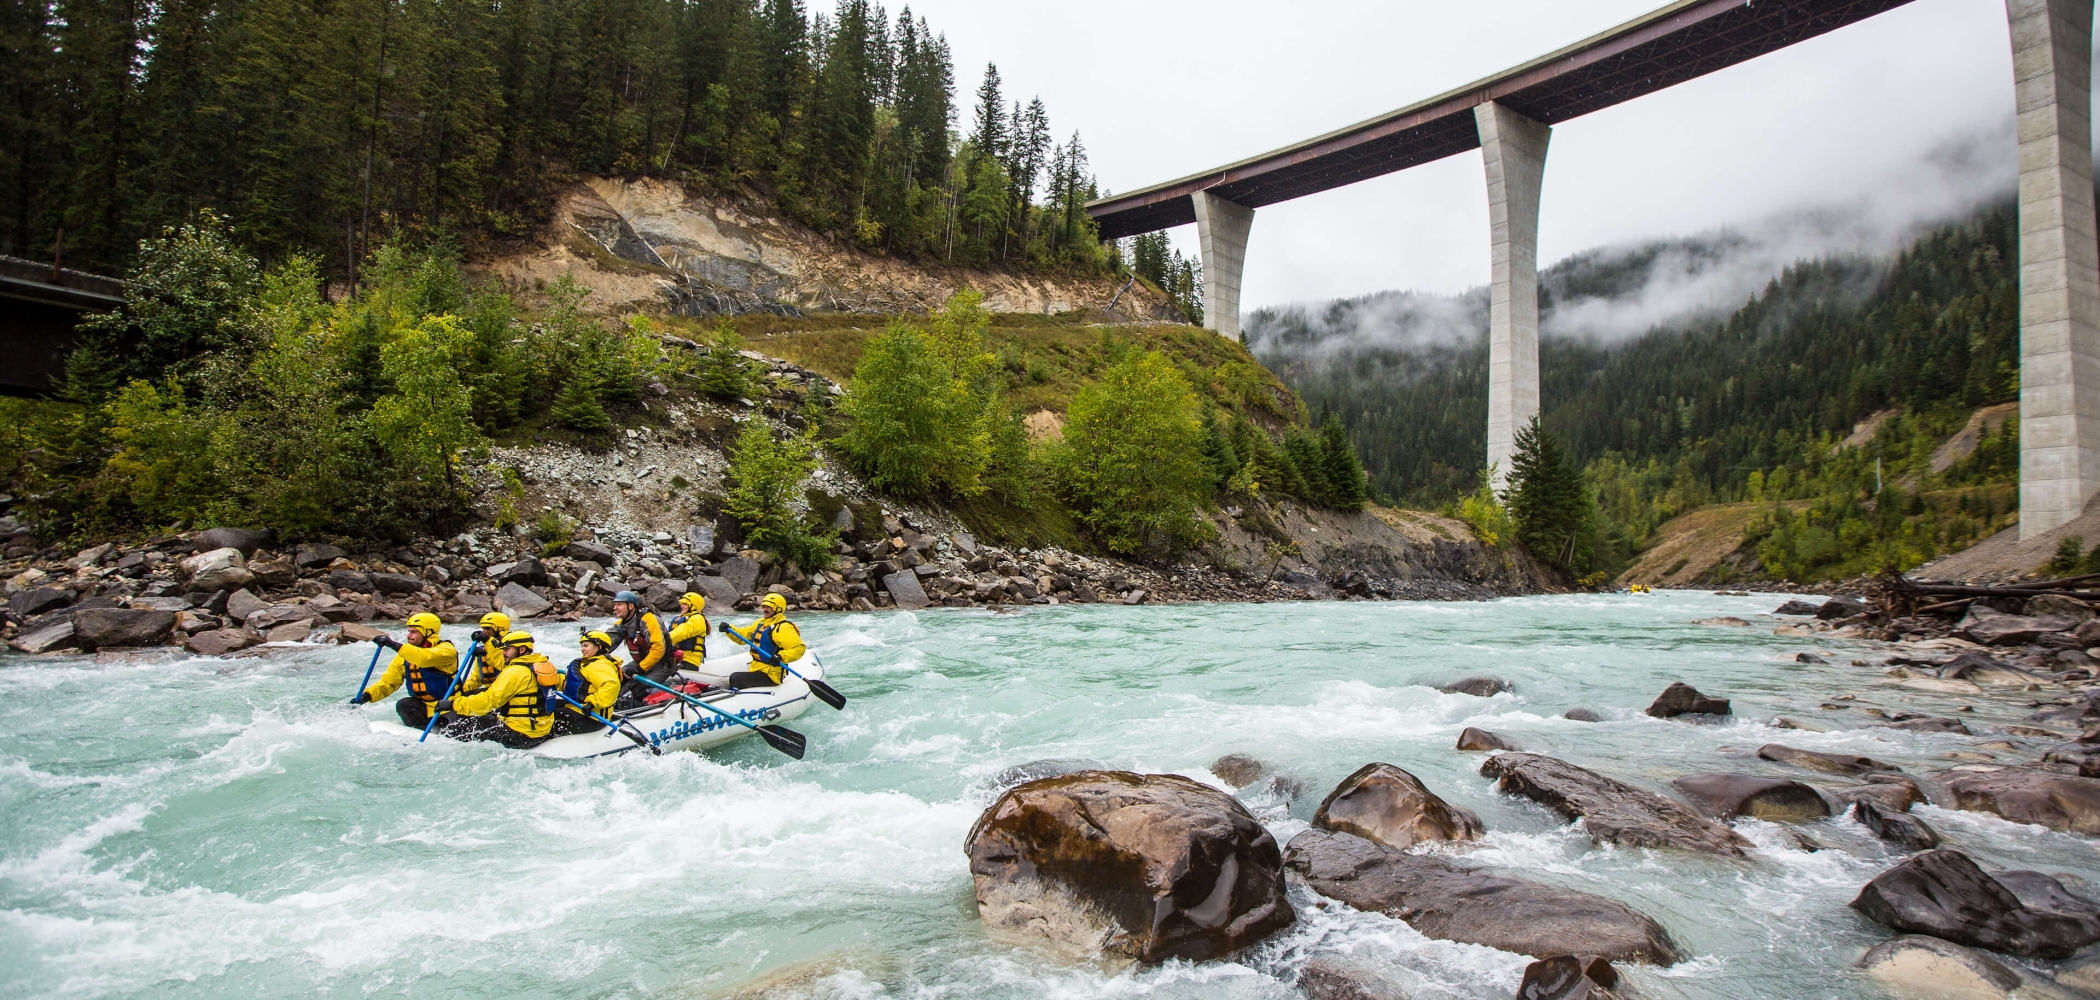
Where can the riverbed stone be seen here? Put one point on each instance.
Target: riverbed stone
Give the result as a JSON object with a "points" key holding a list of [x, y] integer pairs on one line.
{"points": [[1445, 900], [1987, 626], [49, 637], [219, 642], [1568, 977], [398, 584], [1916, 965], [315, 555], [38, 600], [1982, 668], [1387, 805], [1899, 828], [1481, 739], [99, 627], [904, 588], [1943, 893], [1146, 866], [740, 571], [1776, 800], [1888, 792], [1238, 769], [518, 602], [1841, 606], [1478, 687], [1828, 763], [1332, 977], [1579, 714], [2057, 801], [1683, 699], [245, 539], [1797, 606], [1612, 811], [1926, 724]]}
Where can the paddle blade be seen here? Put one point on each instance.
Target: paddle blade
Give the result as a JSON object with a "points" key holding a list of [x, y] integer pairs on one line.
{"points": [[785, 740], [827, 694]]}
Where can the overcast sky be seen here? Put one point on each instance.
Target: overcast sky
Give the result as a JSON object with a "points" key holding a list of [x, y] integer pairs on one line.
{"points": [[1903, 116]]}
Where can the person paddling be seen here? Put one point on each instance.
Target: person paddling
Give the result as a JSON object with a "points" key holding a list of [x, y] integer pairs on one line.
{"points": [[774, 641], [515, 710], [592, 680], [648, 650], [426, 663], [486, 660], [689, 631]]}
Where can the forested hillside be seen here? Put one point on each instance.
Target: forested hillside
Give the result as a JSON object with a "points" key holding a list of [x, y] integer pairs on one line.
{"points": [[326, 129], [1742, 406]]}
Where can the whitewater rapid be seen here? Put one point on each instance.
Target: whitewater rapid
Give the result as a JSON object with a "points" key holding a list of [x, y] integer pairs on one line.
{"points": [[180, 827]]}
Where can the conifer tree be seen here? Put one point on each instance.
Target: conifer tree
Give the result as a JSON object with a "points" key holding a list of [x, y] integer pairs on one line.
{"points": [[1546, 498]]}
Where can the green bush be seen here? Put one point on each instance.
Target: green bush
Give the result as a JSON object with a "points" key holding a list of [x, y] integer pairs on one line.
{"points": [[768, 473], [1132, 461], [924, 412]]}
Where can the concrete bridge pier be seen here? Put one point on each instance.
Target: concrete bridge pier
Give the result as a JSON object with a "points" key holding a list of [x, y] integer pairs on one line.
{"points": [[1221, 237], [1513, 148], [2059, 261]]}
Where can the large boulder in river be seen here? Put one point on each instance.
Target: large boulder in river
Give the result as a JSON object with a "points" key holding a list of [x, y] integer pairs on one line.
{"points": [[1915, 965], [1385, 804], [1797, 606], [1683, 699], [99, 627], [1987, 626], [1612, 812], [1944, 894], [1888, 792], [1828, 763], [1481, 739], [1444, 900], [1777, 800], [2057, 801], [1147, 866], [1841, 606], [1899, 828], [1568, 977]]}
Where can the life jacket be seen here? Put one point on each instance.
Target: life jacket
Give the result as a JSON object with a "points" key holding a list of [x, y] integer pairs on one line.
{"points": [[690, 644], [428, 683], [573, 685], [637, 635], [762, 641], [533, 703]]}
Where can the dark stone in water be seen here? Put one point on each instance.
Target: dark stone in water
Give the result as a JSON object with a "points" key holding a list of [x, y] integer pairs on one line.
{"points": [[1810, 658], [1612, 811], [1478, 687], [1927, 725], [1331, 978], [1568, 977], [2059, 802], [1797, 607], [1683, 699], [1899, 828], [1238, 769], [1828, 763], [1481, 739], [1148, 866], [1944, 894], [1778, 800], [1446, 901], [1581, 715], [1888, 792], [1841, 607], [1036, 770], [1387, 805]]}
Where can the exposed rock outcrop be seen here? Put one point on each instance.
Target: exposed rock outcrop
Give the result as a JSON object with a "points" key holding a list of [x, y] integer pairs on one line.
{"points": [[1612, 812], [1146, 866], [1777, 800], [1444, 900], [1385, 804], [2059, 802], [1944, 894]]}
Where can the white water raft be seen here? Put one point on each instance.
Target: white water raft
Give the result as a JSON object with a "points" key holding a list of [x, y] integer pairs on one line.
{"points": [[674, 725]]}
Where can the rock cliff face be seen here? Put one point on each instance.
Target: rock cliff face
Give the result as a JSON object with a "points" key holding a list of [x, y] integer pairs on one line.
{"points": [[653, 246]]}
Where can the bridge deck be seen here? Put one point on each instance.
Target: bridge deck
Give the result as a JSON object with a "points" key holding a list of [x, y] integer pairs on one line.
{"points": [[1660, 49], [38, 310]]}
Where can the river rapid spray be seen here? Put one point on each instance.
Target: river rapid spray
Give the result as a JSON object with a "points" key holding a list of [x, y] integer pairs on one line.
{"points": [[206, 828]]}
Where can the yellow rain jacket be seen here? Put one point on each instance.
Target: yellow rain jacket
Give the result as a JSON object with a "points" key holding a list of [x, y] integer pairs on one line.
{"points": [[689, 636], [426, 669], [773, 634], [516, 696], [598, 685], [482, 668]]}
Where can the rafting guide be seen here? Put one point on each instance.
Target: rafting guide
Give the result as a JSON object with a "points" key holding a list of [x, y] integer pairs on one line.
{"points": [[666, 695]]}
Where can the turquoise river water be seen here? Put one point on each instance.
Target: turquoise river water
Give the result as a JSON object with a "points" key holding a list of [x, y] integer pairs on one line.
{"points": [[184, 828]]}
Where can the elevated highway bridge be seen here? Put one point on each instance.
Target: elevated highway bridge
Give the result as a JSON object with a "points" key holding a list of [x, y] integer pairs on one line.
{"points": [[1510, 115], [39, 306]]}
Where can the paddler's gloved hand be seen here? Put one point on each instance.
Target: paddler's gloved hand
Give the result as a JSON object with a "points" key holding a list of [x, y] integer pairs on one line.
{"points": [[386, 640], [444, 705], [722, 627], [362, 698]]}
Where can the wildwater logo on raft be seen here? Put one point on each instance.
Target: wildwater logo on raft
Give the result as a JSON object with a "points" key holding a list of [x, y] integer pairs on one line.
{"points": [[689, 727]]}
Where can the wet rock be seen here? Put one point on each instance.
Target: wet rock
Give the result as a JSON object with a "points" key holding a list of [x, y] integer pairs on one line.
{"points": [[353, 632], [1683, 699], [1478, 687], [1238, 769], [1036, 770], [1444, 900], [1841, 606], [48, 637], [399, 584], [1987, 626], [1581, 715], [904, 588], [1729, 621], [350, 580], [1568, 977], [741, 572], [245, 539], [1387, 805], [1929, 725], [1828, 763], [1611, 811], [1332, 978], [279, 614], [2059, 802], [1888, 792], [1944, 894], [315, 555], [519, 602], [1151, 867], [1915, 965], [1797, 607], [1899, 828], [220, 642], [1481, 739], [39, 600], [1981, 668], [1810, 658], [101, 627], [1776, 800]]}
